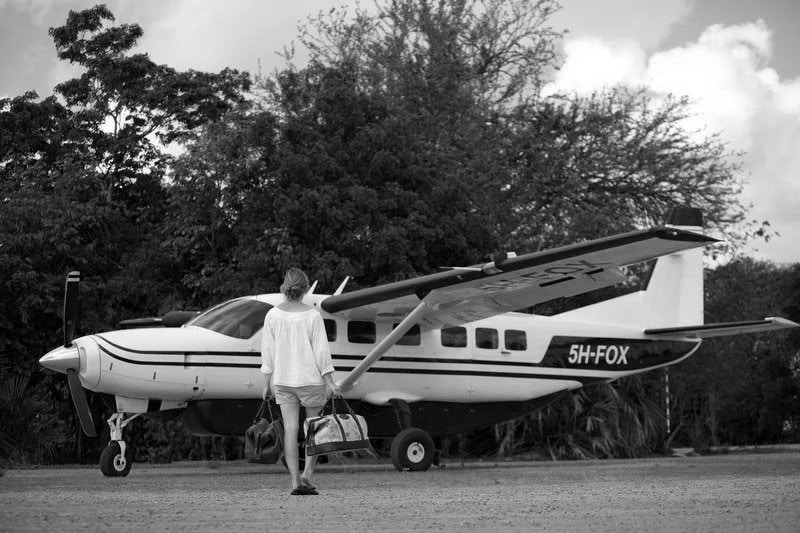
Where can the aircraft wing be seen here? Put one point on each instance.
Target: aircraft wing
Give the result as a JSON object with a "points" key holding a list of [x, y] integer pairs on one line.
{"points": [[466, 294], [718, 330]]}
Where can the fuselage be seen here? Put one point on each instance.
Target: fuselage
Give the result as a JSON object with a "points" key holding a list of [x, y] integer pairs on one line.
{"points": [[513, 357]]}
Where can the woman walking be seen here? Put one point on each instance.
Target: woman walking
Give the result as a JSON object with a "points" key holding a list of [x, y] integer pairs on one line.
{"points": [[297, 368]]}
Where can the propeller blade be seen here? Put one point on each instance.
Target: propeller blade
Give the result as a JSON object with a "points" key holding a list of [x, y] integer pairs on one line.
{"points": [[71, 306], [81, 405]]}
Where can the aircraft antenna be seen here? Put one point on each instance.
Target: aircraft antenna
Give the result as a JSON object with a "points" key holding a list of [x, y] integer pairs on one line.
{"points": [[341, 287]]}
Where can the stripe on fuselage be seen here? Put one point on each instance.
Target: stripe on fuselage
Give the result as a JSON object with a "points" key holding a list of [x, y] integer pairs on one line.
{"points": [[554, 360]]}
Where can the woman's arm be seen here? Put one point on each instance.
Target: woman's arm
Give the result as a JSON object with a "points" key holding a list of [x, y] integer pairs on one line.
{"points": [[332, 384], [267, 382], [267, 355], [322, 353]]}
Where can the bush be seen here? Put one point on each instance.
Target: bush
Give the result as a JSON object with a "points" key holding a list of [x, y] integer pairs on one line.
{"points": [[29, 430]]}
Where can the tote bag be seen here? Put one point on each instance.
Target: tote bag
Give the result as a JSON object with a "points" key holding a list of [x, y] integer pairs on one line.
{"points": [[335, 432]]}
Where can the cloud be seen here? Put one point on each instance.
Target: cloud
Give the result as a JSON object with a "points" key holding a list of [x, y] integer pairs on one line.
{"points": [[211, 35], [647, 23], [592, 62], [38, 10], [726, 73]]}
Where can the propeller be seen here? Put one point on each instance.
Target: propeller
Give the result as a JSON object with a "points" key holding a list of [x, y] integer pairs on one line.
{"points": [[71, 306], [70, 321], [81, 405]]}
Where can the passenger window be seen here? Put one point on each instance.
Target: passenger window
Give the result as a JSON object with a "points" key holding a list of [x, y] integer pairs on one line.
{"points": [[411, 338], [516, 340], [454, 337], [330, 329], [361, 332], [486, 338]]}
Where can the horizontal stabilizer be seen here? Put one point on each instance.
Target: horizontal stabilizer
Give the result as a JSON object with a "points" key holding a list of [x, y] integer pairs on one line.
{"points": [[147, 322], [173, 319], [719, 330]]}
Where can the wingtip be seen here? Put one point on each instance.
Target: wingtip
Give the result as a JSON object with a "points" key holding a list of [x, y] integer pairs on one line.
{"points": [[678, 234], [784, 322]]}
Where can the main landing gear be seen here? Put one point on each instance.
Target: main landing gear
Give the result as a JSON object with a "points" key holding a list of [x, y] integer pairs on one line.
{"points": [[116, 460], [413, 448]]}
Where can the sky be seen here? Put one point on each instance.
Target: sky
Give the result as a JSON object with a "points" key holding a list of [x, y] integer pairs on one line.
{"points": [[738, 60]]}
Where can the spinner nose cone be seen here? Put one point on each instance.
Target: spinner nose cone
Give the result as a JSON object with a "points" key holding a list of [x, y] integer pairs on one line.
{"points": [[62, 359]]}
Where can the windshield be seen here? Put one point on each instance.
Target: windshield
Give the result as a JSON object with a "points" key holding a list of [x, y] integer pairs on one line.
{"points": [[240, 319]]}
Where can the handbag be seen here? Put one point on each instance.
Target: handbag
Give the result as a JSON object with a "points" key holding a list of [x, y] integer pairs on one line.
{"points": [[263, 441], [335, 432]]}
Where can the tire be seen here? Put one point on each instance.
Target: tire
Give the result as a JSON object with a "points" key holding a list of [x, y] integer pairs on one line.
{"points": [[412, 450], [109, 461]]}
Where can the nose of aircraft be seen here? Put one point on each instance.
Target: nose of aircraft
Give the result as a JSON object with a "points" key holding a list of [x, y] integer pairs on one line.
{"points": [[62, 359]]}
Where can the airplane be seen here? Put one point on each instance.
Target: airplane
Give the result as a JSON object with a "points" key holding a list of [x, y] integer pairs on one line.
{"points": [[423, 358]]}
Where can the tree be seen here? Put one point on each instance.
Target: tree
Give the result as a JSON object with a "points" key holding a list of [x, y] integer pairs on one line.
{"points": [[217, 213], [141, 101], [741, 389], [418, 136], [78, 194], [381, 152], [588, 167]]}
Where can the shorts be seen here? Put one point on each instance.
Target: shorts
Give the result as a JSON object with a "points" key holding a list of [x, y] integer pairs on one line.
{"points": [[307, 395]]}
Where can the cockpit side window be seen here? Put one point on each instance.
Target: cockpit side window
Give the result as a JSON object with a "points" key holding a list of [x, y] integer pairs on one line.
{"points": [[240, 319]]}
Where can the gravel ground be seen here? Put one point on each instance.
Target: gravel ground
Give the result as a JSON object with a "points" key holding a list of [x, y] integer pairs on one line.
{"points": [[720, 493]]}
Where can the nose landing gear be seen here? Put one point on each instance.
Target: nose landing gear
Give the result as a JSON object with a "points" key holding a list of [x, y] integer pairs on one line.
{"points": [[115, 461]]}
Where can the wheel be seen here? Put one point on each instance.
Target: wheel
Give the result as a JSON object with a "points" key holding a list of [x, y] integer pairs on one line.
{"points": [[112, 464], [413, 450]]}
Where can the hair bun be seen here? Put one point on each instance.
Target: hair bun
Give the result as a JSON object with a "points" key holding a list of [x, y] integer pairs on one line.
{"points": [[295, 284]]}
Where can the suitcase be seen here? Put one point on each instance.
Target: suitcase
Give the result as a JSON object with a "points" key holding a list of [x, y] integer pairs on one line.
{"points": [[263, 441], [335, 432]]}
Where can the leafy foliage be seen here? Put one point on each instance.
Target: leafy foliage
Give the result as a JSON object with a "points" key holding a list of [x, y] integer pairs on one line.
{"points": [[31, 431], [588, 167], [743, 389], [77, 195]]}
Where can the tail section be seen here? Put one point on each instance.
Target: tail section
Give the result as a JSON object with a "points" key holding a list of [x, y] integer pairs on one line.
{"points": [[674, 293]]}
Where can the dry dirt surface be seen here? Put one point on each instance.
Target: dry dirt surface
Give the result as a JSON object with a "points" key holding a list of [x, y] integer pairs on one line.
{"points": [[720, 493]]}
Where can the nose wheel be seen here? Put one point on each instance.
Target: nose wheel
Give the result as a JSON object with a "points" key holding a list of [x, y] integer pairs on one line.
{"points": [[115, 461]]}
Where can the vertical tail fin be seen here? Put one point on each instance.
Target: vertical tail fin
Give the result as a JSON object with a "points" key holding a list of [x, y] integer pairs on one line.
{"points": [[674, 292]]}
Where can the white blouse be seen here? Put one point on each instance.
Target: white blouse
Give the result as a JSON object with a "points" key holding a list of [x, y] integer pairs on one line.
{"points": [[294, 348]]}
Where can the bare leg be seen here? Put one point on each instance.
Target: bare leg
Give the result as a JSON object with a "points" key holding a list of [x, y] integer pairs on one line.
{"points": [[291, 415], [311, 460]]}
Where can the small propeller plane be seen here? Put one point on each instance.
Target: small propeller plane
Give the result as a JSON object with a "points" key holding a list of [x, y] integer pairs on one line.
{"points": [[426, 357]]}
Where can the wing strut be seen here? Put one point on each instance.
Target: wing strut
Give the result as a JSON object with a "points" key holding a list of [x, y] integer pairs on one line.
{"points": [[402, 328]]}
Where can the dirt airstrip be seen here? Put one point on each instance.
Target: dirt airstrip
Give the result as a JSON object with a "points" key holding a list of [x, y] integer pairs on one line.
{"points": [[720, 493]]}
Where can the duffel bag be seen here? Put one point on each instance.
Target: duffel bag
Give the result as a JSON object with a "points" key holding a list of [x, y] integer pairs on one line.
{"points": [[263, 441], [335, 432]]}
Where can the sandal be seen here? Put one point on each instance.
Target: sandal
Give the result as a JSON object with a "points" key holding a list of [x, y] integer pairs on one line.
{"points": [[307, 483], [302, 490]]}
